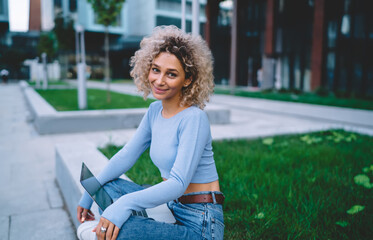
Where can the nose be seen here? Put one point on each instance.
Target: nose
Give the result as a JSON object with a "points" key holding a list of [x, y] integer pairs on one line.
{"points": [[160, 79]]}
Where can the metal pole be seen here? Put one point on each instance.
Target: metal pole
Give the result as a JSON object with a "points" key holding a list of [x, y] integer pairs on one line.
{"points": [[232, 75], [183, 23], [195, 20]]}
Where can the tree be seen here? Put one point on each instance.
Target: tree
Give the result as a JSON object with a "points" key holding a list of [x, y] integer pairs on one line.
{"points": [[47, 44], [65, 33], [107, 12]]}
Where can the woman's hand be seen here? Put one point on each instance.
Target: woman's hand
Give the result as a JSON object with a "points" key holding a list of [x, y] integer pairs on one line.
{"points": [[106, 230], [84, 214]]}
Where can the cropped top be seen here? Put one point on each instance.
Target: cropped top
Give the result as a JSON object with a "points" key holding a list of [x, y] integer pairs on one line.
{"points": [[180, 147]]}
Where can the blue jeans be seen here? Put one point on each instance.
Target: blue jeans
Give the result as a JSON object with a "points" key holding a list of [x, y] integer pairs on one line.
{"points": [[194, 221]]}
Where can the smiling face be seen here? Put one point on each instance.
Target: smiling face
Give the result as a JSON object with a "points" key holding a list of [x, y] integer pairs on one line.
{"points": [[167, 78]]}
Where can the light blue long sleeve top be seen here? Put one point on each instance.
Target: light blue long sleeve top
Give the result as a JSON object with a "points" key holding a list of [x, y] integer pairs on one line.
{"points": [[180, 147]]}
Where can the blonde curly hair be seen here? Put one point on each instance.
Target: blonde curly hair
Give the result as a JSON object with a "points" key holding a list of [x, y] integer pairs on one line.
{"points": [[193, 54]]}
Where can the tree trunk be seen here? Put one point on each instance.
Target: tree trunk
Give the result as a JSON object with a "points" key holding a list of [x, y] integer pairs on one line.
{"points": [[107, 68], [65, 64]]}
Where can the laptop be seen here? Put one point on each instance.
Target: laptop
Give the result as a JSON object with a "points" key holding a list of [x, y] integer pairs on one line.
{"points": [[94, 188]]}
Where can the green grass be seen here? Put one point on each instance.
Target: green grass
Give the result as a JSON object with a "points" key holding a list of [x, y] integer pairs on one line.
{"points": [[50, 83], [67, 99], [290, 187], [143, 172], [311, 98], [114, 80]]}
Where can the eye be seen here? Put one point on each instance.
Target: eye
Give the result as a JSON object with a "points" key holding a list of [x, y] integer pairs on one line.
{"points": [[171, 74], [155, 69]]}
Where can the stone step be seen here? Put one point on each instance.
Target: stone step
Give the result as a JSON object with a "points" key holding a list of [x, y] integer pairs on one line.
{"points": [[69, 158]]}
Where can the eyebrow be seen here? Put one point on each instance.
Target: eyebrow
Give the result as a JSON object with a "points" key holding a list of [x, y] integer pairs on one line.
{"points": [[168, 69]]}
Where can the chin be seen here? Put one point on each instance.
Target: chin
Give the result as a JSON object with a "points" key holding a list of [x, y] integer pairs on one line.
{"points": [[157, 96]]}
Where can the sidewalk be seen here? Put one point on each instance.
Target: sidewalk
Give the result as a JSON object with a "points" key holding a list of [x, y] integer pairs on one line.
{"points": [[32, 206]]}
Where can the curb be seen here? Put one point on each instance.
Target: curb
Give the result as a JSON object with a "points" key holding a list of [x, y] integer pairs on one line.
{"points": [[49, 121]]}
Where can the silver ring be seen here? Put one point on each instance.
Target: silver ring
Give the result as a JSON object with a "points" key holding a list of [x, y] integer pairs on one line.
{"points": [[103, 229]]}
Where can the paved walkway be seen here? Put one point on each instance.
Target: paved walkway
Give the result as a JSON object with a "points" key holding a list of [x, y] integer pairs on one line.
{"points": [[31, 204]]}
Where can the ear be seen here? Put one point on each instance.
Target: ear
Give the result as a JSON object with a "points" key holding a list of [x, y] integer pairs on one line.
{"points": [[187, 82]]}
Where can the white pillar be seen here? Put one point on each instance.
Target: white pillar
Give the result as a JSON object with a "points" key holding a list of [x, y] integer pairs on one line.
{"points": [[183, 23], [65, 8], [80, 67], [82, 45], [82, 88], [195, 15]]}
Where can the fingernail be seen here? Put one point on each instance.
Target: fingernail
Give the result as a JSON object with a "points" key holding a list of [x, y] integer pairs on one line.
{"points": [[83, 219]]}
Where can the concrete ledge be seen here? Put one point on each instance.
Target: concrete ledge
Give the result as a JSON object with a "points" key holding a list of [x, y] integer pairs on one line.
{"points": [[38, 106], [69, 158], [48, 121], [68, 164], [85, 121], [217, 114]]}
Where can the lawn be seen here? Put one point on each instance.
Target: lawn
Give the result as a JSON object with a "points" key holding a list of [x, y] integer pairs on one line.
{"points": [[310, 186], [50, 83], [312, 98], [67, 99], [114, 80]]}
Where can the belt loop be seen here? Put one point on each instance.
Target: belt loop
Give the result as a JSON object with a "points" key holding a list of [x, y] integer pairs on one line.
{"points": [[213, 197]]}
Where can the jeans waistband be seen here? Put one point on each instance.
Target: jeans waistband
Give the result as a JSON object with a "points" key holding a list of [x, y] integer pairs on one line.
{"points": [[214, 197]]}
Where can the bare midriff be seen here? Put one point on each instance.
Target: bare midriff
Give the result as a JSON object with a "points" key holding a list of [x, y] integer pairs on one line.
{"points": [[202, 187]]}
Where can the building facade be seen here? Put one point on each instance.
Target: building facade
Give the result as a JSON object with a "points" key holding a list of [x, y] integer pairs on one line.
{"points": [[137, 19], [304, 45], [4, 21]]}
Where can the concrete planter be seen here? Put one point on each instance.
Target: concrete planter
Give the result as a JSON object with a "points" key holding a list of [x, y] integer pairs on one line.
{"points": [[49, 121]]}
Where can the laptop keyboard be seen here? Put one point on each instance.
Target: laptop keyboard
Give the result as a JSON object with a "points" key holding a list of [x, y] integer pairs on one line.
{"points": [[139, 213]]}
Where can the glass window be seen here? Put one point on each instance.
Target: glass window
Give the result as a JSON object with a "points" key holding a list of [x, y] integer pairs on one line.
{"points": [[173, 21], [175, 6], [172, 5], [225, 13], [57, 3], [332, 33], [1, 6], [72, 5], [359, 27], [57, 7]]}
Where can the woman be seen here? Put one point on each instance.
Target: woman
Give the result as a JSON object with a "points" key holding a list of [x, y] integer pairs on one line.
{"points": [[177, 68]]}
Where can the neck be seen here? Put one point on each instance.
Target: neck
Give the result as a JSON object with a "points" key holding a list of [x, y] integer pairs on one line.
{"points": [[171, 109]]}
